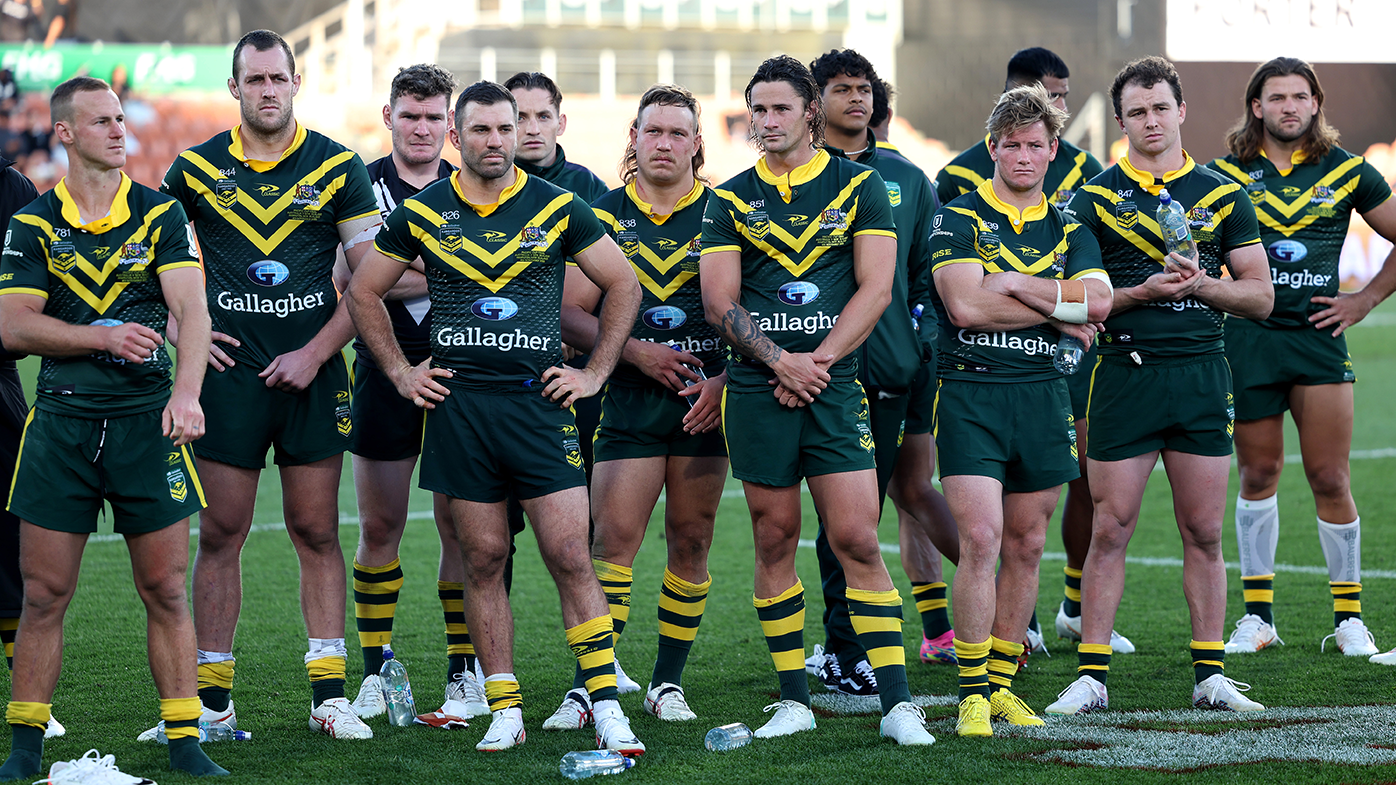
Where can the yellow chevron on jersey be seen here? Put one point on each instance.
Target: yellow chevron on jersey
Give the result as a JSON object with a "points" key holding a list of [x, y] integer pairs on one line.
{"points": [[649, 266], [1276, 214], [1127, 221], [992, 251]]}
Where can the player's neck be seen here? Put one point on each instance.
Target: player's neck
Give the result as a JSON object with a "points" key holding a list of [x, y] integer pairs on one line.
{"points": [[1280, 153], [1170, 160], [790, 160], [480, 191], [853, 144], [418, 176], [93, 188], [663, 198], [1022, 200], [257, 146]]}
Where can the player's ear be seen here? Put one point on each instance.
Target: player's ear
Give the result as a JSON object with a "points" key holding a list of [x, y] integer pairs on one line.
{"points": [[561, 124], [233, 88], [295, 84], [1182, 112], [388, 116], [454, 136]]}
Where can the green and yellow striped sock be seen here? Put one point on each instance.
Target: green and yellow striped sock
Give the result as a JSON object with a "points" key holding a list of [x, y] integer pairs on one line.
{"points": [[877, 620], [974, 667], [27, 724], [1259, 591], [1347, 601], [616, 582], [460, 651], [8, 628], [1093, 659], [1003, 662], [502, 692], [591, 642], [1071, 605], [181, 716], [216, 684], [326, 678], [783, 623], [681, 606], [375, 603], [1208, 659], [933, 607]]}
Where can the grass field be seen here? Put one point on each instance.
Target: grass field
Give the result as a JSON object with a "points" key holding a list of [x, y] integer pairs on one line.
{"points": [[105, 695]]}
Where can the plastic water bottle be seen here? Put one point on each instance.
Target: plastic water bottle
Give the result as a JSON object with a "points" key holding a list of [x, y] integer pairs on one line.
{"points": [[687, 382], [916, 316], [401, 708], [209, 731], [1067, 357], [727, 737], [1173, 225], [593, 763]]}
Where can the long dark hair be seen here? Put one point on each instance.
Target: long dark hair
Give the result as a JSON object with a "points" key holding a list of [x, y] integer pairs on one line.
{"points": [[1245, 138]]}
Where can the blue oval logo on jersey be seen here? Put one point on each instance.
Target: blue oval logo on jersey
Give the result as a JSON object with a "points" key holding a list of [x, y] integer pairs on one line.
{"points": [[268, 272], [1287, 250], [494, 309], [798, 293], [665, 317], [107, 323]]}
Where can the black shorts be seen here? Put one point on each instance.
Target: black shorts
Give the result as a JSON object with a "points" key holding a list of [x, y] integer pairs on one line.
{"points": [[387, 426]]}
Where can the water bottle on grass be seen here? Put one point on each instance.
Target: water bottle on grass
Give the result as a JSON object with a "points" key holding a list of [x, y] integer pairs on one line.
{"points": [[401, 708], [727, 737], [593, 763]]}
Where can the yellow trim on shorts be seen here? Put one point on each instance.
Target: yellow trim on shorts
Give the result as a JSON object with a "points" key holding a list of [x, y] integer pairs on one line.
{"points": [[19, 455], [1090, 390], [935, 413], [722, 414], [193, 474]]}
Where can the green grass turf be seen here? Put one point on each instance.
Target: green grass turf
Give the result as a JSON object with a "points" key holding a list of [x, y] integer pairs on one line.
{"points": [[105, 695]]}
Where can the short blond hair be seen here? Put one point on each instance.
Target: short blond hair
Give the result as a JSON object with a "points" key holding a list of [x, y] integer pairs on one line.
{"points": [[1021, 107]]}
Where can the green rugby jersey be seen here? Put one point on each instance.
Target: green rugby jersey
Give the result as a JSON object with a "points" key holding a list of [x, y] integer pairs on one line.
{"points": [[1304, 212], [664, 251], [1068, 171], [1119, 207], [494, 275], [894, 351], [105, 273], [269, 231], [568, 176], [1041, 241], [795, 236]]}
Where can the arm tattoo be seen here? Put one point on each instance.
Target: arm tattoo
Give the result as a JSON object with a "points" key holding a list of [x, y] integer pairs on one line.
{"points": [[740, 331]]}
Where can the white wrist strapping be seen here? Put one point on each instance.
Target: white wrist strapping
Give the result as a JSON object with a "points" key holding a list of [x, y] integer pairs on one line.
{"points": [[1071, 302], [366, 236]]}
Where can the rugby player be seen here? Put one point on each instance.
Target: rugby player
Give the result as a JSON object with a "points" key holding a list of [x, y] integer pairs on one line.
{"points": [[1011, 273], [1305, 189], [893, 356], [799, 255], [495, 241], [272, 201], [389, 436], [1069, 169], [1161, 383], [659, 417], [91, 273]]}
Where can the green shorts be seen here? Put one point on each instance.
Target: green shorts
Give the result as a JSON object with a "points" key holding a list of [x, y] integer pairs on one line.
{"points": [[1079, 384], [887, 419], [921, 401], [645, 422], [389, 425], [246, 417], [1266, 364], [776, 445], [1021, 434], [68, 465], [482, 446], [1181, 404]]}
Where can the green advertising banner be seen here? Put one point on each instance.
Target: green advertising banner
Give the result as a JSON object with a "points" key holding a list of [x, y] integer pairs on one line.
{"points": [[152, 69]]}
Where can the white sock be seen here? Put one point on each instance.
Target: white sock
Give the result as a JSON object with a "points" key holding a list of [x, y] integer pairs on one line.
{"points": [[606, 708], [211, 657], [1257, 533], [501, 677], [1342, 549], [320, 648]]}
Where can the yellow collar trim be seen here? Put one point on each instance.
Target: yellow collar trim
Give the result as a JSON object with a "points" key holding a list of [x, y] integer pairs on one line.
{"points": [[1147, 180], [118, 214], [484, 210], [800, 175], [1296, 157], [694, 194], [264, 166], [1019, 218]]}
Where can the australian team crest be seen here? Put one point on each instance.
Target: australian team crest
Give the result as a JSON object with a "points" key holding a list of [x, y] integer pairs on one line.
{"points": [[695, 246], [833, 218], [343, 420], [179, 487], [226, 192], [758, 224], [450, 238], [1062, 196], [533, 237], [63, 256], [1322, 195], [133, 252], [629, 243], [1256, 191], [987, 244], [307, 194], [1127, 215], [1200, 218], [894, 194]]}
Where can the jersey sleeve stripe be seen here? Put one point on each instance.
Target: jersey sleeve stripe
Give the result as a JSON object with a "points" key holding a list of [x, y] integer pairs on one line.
{"points": [[25, 290], [721, 248], [391, 255], [966, 260], [374, 213], [160, 268], [876, 232]]}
